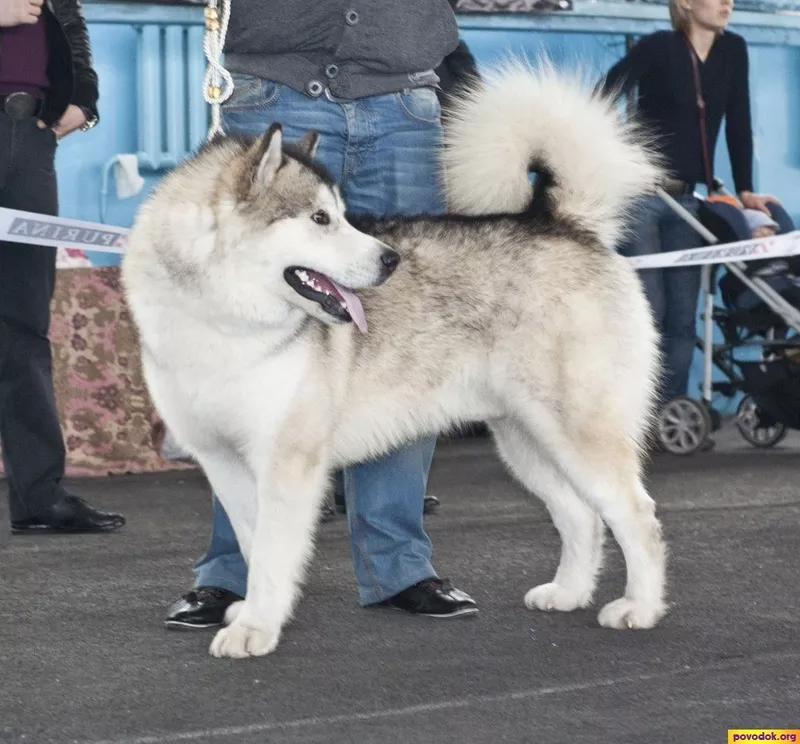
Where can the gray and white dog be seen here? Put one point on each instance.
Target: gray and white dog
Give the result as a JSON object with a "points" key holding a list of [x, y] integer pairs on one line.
{"points": [[275, 349]]}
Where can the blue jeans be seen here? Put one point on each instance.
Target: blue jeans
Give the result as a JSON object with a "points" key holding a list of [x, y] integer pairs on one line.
{"points": [[382, 152], [672, 292]]}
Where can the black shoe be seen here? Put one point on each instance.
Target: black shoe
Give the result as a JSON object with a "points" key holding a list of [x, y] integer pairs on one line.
{"points": [[430, 505], [434, 598], [338, 492], [203, 607], [326, 513], [70, 515]]}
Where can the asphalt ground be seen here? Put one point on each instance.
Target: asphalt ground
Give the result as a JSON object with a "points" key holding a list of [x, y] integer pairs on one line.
{"points": [[84, 657]]}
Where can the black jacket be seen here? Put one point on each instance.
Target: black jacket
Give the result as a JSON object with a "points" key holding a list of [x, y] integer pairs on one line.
{"points": [[69, 65], [660, 66], [457, 68]]}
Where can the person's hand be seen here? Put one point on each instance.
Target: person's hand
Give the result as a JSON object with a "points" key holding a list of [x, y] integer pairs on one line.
{"points": [[73, 119], [757, 201], [19, 12]]}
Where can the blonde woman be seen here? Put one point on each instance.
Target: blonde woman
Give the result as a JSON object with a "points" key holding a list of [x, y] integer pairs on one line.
{"points": [[664, 66]]}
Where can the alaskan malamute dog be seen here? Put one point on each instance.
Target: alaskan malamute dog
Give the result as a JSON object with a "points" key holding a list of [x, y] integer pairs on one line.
{"points": [[281, 340]]}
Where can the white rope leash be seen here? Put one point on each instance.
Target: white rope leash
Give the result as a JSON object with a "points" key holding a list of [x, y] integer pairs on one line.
{"points": [[217, 82]]}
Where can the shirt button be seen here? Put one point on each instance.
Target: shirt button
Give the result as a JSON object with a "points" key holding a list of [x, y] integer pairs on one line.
{"points": [[315, 88], [332, 71], [351, 17]]}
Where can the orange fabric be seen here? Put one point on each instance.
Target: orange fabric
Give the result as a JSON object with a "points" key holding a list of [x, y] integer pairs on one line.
{"points": [[726, 199]]}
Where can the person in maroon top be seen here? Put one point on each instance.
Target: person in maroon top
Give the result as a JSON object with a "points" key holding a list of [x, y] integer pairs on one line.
{"points": [[48, 89], [661, 66]]}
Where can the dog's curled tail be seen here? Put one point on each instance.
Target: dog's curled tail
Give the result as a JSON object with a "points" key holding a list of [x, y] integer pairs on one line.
{"points": [[520, 118]]}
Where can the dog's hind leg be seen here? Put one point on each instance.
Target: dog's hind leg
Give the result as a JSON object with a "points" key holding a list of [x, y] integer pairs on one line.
{"points": [[579, 526], [289, 495], [630, 513], [604, 468]]}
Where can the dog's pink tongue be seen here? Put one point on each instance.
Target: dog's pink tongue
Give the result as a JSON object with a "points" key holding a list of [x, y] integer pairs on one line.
{"points": [[354, 307]]}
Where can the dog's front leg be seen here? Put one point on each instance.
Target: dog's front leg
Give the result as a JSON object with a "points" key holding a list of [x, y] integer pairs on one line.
{"points": [[289, 496]]}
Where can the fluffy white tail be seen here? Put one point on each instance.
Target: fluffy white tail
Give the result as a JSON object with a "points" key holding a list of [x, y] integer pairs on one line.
{"points": [[521, 117]]}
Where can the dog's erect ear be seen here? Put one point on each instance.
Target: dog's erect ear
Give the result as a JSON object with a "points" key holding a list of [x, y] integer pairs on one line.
{"points": [[267, 156], [308, 143]]}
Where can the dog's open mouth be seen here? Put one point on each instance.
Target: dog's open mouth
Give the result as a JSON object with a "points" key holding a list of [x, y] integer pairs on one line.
{"points": [[333, 298]]}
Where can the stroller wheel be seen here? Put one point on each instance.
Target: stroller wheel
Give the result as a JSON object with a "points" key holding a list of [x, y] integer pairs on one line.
{"points": [[684, 425], [751, 423]]}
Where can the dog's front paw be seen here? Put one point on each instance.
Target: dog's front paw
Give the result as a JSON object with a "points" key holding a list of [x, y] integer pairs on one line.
{"points": [[238, 642], [627, 613], [553, 597]]}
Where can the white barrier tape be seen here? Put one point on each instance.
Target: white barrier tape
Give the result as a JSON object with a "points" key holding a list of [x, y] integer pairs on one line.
{"points": [[42, 229], [745, 250], [59, 232]]}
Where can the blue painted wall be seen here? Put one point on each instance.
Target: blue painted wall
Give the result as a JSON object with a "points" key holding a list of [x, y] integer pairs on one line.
{"points": [[593, 36]]}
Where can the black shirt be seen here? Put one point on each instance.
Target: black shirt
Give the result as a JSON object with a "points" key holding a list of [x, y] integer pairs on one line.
{"points": [[661, 65]]}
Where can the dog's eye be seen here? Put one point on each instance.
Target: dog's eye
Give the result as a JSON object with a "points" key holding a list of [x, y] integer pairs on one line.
{"points": [[321, 217]]}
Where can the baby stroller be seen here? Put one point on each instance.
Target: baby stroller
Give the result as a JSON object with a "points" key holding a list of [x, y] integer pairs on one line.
{"points": [[759, 325]]}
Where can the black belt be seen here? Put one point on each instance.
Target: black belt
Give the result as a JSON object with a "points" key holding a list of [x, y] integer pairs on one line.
{"points": [[21, 105]]}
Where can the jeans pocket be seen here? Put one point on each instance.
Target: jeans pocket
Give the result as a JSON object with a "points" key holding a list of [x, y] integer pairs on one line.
{"points": [[421, 105], [251, 92]]}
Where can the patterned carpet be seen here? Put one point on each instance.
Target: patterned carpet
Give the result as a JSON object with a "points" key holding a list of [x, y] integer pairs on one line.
{"points": [[108, 420]]}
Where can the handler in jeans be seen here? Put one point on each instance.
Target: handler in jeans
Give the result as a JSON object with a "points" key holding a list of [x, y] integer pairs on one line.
{"points": [[362, 75]]}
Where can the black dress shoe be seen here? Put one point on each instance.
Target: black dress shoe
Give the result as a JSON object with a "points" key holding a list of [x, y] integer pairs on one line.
{"points": [[203, 607], [430, 505], [70, 515], [434, 598], [326, 513]]}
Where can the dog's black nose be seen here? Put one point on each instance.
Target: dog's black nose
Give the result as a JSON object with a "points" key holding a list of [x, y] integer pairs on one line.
{"points": [[390, 259]]}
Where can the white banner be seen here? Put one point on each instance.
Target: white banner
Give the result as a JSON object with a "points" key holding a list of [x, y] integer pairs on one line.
{"points": [[778, 246], [59, 232]]}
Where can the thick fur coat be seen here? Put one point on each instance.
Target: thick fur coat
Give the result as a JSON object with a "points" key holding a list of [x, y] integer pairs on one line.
{"points": [[247, 281]]}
